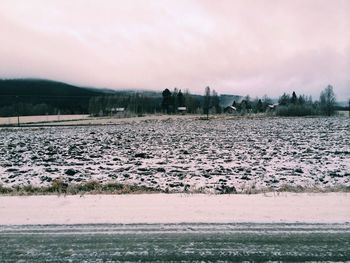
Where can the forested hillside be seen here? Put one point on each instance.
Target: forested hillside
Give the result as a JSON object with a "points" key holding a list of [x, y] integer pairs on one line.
{"points": [[36, 97]]}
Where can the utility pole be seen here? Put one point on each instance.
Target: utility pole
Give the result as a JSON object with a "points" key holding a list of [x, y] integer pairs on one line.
{"points": [[17, 108], [135, 104], [142, 102], [349, 108]]}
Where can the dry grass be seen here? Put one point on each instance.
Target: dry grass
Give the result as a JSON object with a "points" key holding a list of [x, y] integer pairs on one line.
{"points": [[315, 189], [59, 187]]}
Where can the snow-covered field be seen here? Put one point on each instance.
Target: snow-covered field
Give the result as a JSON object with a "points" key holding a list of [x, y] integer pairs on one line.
{"points": [[184, 155]]}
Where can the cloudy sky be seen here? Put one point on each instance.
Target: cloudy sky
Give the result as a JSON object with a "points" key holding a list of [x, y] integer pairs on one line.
{"points": [[234, 46]]}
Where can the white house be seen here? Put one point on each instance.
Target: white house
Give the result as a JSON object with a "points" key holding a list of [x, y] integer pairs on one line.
{"points": [[230, 109]]}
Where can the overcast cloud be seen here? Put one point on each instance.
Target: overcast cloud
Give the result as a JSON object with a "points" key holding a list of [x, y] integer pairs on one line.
{"points": [[235, 47]]}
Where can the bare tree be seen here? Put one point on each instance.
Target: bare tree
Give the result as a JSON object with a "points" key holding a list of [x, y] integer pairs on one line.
{"points": [[327, 101], [215, 102]]}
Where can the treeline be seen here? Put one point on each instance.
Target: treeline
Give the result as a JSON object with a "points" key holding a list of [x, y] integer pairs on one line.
{"points": [[257, 105], [293, 105], [40, 97], [288, 105], [171, 101], [28, 109], [145, 103], [168, 102], [137, 103]]}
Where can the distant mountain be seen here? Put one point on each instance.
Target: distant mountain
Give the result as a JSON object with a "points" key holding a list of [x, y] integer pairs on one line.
{"points": [[38, 96], [38, 87], [102, 90], [343, 103], [35, 96]]}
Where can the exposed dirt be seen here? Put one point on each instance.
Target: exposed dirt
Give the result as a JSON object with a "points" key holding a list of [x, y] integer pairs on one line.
{"points": [[182, 155]]}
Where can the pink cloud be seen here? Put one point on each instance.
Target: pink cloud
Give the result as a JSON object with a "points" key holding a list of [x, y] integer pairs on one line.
{"points": [[256, 47]]}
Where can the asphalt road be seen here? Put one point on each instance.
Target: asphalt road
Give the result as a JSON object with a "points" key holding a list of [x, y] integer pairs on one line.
{"points": [[175, 242]]}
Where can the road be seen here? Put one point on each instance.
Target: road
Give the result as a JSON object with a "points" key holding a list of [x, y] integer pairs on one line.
{"points": [[175, 242]]}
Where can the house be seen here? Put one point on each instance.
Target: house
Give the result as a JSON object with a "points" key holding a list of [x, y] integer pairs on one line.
{"points": [[230, 110], [271, 107], [181, 110], [118, 111]]}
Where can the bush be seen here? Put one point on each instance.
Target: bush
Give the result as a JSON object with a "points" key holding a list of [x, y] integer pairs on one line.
{"points": [[58, 186], [5, 190]]}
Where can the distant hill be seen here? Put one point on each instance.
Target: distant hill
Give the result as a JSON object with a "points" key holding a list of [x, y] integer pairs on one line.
{"points": [[38, 87], [343, 103], [29, 96]]}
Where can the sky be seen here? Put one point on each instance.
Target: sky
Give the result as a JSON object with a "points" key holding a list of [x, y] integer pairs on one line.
{"points": [[234, 46]]}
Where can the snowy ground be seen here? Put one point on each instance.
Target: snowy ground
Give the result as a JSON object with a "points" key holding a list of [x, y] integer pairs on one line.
{"points": [[183, 155], [330, 208]]}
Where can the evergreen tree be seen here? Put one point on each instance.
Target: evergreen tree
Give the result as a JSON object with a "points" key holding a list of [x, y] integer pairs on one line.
{"points": [[294, 98], [243, 106], [266, 101], [248, 103], [284, 100], [259, 106], [166, 102], [301, 100], [192, 103], [180, 99]]}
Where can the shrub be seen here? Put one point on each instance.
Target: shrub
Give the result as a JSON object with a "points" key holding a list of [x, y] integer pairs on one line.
{"points": [[58, 186], [5, 190]]}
